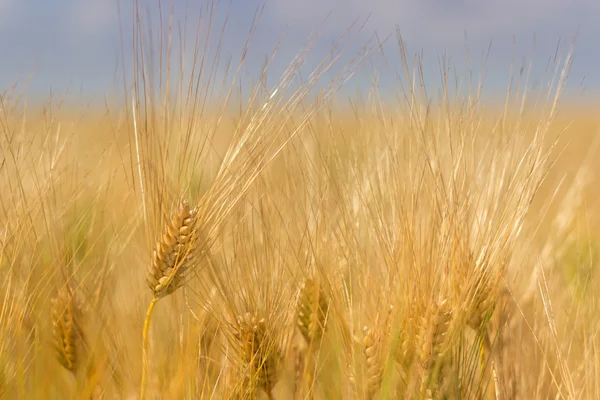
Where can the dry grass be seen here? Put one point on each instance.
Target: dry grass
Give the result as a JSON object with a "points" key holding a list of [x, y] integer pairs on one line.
{"points": [[425, 247]]}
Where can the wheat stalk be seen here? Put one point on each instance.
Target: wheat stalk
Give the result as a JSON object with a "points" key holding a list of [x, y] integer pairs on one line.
{"points": [[299, 359], [172, 258]]}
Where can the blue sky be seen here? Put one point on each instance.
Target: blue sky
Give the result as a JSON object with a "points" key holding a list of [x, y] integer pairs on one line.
{"points": [[75, 43]]}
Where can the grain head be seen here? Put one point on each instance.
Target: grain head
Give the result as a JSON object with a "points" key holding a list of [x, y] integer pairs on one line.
{"points": [[67, 329], [259, 354], [312, 311], [173, 254]]}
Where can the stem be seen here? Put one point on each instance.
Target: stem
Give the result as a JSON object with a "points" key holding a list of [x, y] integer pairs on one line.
{"points": [[139, 162], [145, 346]]}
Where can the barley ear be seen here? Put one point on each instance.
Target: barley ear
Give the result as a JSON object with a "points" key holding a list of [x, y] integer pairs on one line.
{"points": [[173, 253], [70, 339], [68, 335], [433, 343], [405, 349], [258, 352], [171, 259], [371, 343], [312, 311]]}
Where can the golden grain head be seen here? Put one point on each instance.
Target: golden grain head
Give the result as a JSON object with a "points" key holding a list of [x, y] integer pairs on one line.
{"points": [[259, 351], [312, 311], [174, 254], [480, 309], [405, 348], [372, 350], [434, 334], [67, 332], [480, 296]]}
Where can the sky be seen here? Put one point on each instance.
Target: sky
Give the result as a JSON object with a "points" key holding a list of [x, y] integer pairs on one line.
{"points": [[75, 44]]}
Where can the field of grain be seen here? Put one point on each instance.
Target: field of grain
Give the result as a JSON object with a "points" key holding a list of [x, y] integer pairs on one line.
{"points": [[191, 241]]}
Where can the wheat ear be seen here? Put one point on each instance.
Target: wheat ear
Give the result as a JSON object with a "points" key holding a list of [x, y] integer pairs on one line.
{"points": [[433, 342], [70, 340], [258, 352], [311, 320], [172, 258], [405, 350], [312, 311], [68, 335], [173, 253], [371, 343]]}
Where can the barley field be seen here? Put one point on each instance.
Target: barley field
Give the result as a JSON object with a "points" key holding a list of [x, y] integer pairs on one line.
{"points": [[192, 240]]}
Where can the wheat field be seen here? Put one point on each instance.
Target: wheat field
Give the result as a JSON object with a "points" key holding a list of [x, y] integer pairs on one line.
{"points": [[195, 241]]}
